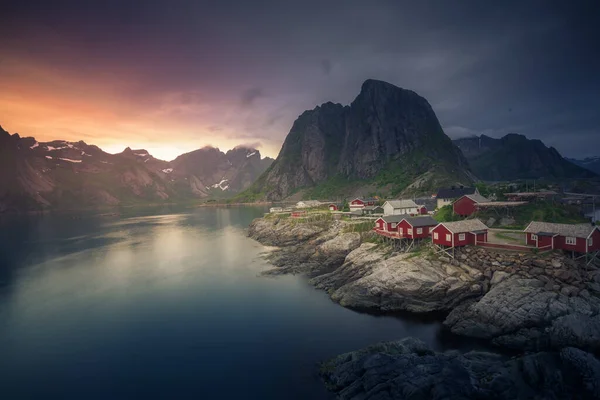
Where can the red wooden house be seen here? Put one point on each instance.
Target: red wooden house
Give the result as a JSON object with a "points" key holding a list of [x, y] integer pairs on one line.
{"points": [[416, 227], [459, 233], [467, 204], [579, 238], [388, 223], [335, 207], [359, 203], [423, 210]]}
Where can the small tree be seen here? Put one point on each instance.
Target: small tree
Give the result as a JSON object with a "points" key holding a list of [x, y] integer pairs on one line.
{"points": [[346, 206]]}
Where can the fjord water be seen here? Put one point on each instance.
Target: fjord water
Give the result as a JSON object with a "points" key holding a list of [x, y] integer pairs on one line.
{"points": [[165, 304]]}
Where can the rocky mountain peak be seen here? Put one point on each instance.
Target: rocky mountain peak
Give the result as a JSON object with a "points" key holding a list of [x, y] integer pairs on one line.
{"points": [[515, 156], [383, 128]]}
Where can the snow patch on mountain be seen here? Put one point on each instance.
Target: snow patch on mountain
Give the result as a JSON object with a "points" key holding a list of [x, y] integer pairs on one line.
{"points": [[69, 160], [36, 144], [220, 184], [250, 154], [167, 170]]}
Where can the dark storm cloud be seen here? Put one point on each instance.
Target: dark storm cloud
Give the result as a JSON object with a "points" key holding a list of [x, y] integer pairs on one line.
{"points": [[486, 67]]}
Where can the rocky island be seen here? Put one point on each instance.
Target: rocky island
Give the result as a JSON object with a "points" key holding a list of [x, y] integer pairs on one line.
{"points": [[545, 307]]}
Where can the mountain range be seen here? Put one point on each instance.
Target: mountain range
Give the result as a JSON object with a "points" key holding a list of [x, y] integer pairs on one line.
{"points": [[514, 157], [59, 174], [388, 141], [589, 163]]}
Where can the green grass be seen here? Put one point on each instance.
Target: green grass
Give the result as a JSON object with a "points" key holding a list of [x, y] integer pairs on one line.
{"points": [[540, 211], [445, 214], [507, 237]]}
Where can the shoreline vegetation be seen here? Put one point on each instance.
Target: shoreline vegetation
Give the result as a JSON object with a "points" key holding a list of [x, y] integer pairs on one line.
{"points": [[545, 308]]}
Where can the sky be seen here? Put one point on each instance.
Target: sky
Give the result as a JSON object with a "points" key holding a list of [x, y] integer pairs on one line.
{"points": [[173, 76]]}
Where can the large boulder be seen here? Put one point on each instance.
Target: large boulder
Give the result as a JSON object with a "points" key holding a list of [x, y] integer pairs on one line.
{"points": [[368, 279], [524, 314]]}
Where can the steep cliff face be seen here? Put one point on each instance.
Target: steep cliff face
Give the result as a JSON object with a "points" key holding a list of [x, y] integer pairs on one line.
{"points": [[388, 137], [60, 174], [516, 157]]}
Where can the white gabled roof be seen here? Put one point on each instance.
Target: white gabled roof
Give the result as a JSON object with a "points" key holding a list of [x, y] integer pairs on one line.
{"points": [[571, 230], [401, 203]]}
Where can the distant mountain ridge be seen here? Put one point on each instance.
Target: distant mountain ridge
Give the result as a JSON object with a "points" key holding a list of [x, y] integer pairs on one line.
{"points": [[589, 163], [515, 156], [59, 174], [388, 139]]}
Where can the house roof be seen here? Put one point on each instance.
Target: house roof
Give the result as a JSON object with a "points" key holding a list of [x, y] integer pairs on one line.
{"points": [[392, 218], [421, 221], [454, 192], [532, 194], [467, 225], [571, 230], [428, 202], [402, 203], [491, 204], [477, 198], [365, 199], [310, 202]]}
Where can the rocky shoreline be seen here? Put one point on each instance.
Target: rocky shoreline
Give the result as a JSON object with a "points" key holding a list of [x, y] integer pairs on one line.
{"points": [[546, 304]]}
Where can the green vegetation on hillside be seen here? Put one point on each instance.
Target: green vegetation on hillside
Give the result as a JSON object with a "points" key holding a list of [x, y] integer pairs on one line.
{"points": [[334, 187], [445, 214], [256, 192], [392, 180]]}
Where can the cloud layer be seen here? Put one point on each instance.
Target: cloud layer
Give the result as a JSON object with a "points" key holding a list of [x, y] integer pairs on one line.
{"points": [[174, 76]]}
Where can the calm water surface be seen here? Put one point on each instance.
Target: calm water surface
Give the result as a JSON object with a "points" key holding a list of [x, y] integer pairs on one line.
{"points": [[167, 305]]}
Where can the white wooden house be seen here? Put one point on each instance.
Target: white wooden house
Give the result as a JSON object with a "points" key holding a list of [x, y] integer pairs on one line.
{"points": [[400, 207]]}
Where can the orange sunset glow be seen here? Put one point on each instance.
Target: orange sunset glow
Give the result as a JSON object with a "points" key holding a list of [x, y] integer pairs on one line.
{"points": [[52, 104]]}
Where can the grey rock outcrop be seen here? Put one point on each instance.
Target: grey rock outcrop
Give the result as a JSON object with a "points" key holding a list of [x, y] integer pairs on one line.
{"points": [[307, 248], [524, 314], [408, 369], [369, 280]]}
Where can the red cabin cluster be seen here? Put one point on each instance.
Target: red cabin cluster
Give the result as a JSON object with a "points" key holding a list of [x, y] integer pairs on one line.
{"points": [[405, 227]]}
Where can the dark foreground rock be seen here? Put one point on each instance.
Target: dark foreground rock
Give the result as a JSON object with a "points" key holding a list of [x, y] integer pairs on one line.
{"points": [[523, 314], [408, 369]]}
